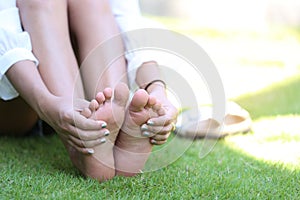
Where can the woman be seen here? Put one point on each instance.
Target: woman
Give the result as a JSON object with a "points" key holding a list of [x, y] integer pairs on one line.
{"points": [[99, 144]]}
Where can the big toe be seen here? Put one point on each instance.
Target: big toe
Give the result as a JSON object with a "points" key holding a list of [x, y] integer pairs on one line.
{"points": [[139, 100], [121, 94]]}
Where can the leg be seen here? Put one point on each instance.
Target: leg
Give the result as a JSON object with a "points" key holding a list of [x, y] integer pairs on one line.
{"points": [[92, 23], [96, 15], [47, 23], [111, 107], [132, 148], [16, 117]]}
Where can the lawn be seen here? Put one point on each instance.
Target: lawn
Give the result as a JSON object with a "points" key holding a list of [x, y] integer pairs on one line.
{"points": [[263, 164]]}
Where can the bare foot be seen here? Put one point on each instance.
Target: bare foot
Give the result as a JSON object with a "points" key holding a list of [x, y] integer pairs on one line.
{"points": [[110, 109], [132, 149]]}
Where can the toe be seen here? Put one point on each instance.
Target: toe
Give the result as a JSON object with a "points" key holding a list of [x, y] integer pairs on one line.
{"points": [[107, 93], [151, 102], [94, 105], [121, 94], [157, 107], [139, 100], [100, 98]]}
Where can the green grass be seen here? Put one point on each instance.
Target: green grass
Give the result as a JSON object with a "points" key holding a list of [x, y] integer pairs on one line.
{"points": [[39, 168], [279, 99], [264, 164]]}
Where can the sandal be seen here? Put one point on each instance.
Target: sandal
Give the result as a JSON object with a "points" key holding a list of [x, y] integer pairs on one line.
{"points": [[236, 120]]}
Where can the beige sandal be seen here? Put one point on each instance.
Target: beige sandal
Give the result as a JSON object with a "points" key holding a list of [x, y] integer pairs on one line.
{"points": [[236, 120]]}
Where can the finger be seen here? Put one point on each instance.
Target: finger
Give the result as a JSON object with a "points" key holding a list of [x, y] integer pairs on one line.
{"points": [[161, 137], [80, 103], [87, 144], [88, 151], [152, 141], [88, 135], [86, 112], [162, 130], [147, 134], [160, 121], [85, 124], [65, 138]]}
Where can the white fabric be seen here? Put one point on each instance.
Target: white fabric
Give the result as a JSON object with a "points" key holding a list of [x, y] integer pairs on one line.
{"points": [[15, 45], [128, 16]]}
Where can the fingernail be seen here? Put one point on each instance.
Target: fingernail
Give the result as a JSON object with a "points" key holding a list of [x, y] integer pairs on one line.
{"points": [[103, 140], [149, 122], [91, 151], [153, 141], [146, 134], [103, 125], [144, 127], [106, 133]]}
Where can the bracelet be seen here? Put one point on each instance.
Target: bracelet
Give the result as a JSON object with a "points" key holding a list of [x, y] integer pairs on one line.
{"points": [[154, 81]]}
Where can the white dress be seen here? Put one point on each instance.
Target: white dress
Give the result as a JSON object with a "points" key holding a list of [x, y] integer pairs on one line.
{"points": [[15, 44], [128, 16]]}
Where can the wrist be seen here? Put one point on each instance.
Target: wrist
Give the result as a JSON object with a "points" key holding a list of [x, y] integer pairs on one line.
{"points": [[43, 102], [156, 88], [156, 84]]}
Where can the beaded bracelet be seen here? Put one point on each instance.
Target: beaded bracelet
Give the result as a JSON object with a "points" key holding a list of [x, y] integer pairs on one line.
{"points": [[154, 81]]}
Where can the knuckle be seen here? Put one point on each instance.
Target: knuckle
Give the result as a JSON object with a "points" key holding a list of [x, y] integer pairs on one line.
{"points": [[83, 136], [66, 115], [83, 144], [64, 128]]}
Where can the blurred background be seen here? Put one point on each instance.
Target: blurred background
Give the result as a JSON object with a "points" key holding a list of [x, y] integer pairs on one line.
{"points": [[255, 45], [246, 39]]}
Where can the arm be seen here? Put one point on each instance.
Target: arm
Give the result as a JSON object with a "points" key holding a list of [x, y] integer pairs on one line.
{"points": [[18, 70], [54, 110], [142, 66], [129, 19], [161, 125]]}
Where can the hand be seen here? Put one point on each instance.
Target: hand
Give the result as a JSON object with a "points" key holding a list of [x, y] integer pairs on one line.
{"points": [[162, 125], [73, 128]]}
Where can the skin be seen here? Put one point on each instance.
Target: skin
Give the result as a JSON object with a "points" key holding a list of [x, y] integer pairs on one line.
{"points": [[80, 123], [162, 125], [132, 149]]}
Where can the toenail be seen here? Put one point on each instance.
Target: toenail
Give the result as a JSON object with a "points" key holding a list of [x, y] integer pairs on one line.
{"points": [[91, 151], [144, 127], [106, 133], [149, 122], [103, 140], [104, 125], [146, 134]]}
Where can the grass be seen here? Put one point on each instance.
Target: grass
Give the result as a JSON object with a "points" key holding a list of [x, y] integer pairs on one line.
{"points": [[279, 99], [264, 164], [38, 168]]}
